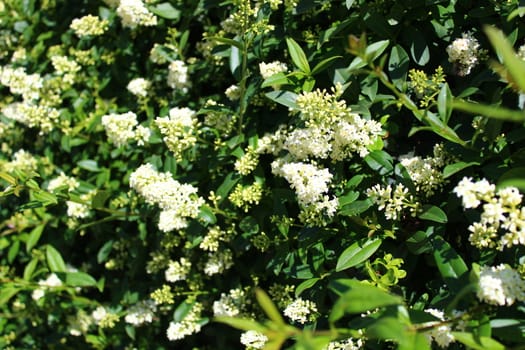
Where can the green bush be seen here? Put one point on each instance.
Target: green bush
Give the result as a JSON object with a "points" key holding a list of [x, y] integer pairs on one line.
{"points": [[299, 174]]}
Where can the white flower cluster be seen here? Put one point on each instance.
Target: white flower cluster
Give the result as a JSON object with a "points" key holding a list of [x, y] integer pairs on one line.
{"points": [[178, 77], [80, 210], [232, 304], [272, 68], [211, 241], [178, 130], [441, 333], [51, 281], [464, 52], [253, 340], [331, 129], [218, 262], [123, 128], [425, 172], [134, 13], [141, 313], [347, 344], [189, 325], [177, 270], [501, 210], [177, 201], [233, 92], [301, 311], [89, 26], [80, 323], [500, 285], [311, 186], [65, 67], [63, 181], [139, 87], [393, 200], [32, 115], [21, 83], [22, 161]]}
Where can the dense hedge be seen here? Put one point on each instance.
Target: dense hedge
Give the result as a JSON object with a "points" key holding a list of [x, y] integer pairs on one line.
{"points": [[303, 174]]}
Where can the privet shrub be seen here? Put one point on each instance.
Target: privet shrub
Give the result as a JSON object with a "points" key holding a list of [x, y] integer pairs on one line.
{"points": [[303, 174]]}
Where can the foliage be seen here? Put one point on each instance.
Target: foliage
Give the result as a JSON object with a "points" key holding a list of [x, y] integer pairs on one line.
{"points": [[297, 174]]}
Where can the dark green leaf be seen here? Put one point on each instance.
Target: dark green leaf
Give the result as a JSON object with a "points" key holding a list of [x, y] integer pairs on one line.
{"points": [[380, 161], [100, 199], [419, 48], [514, 177], [433, 213], [452, 169], [306, 285], [54, 260], [398, 64], [286, 98], [206, 214], [321, 66], [356, 207], [450, 264], [444, 103], [34, 236], [77, 279], [375, 50], [6, 293], [104, 252], [357, 253], [298, 56], [275, 80], [360, 297]]}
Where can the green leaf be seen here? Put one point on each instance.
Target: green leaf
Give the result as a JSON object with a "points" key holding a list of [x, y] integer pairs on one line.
{"points": [[433, 213], [298, 56], [388, 328], [476, 342], [6, 293], [444, 103], [227, 41], [89, 165], [104, 251], [13, 251], [451, 266], [360, 297], [54, 260], [269, 307], [206, 214], [419, 48], [375, 50], [348, 198], [514, 65], [495, 112], [380, 161], [77, 279], [349, 3], [235, 62], [356, 208], [452, 169], [34, 236], [182, 311], [244, 324], [29, 269], [286, 98], [514, 177], [45, 198], [306, 285], [275, 80], [8, 178], [100, 199], [357, 253], [165, 10], [398, 64], [324, 64]]}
